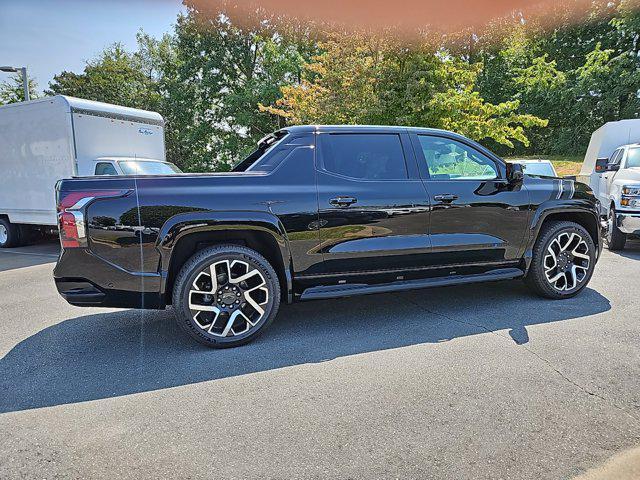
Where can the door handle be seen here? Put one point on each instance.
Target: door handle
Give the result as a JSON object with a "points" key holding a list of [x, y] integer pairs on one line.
{"points": [[342, 201], [445, 197]]}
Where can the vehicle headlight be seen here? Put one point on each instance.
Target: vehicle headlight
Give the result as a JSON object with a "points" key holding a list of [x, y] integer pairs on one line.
{"points": [[630, 202], [631, 190]]}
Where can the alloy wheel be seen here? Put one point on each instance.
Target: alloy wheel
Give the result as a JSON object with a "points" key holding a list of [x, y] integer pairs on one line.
{"points": [[4, 235], [567, 260], [228, 298]]}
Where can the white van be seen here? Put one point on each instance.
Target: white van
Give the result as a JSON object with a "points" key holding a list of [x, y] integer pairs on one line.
{"points": [[45, 140], [612, 169]]}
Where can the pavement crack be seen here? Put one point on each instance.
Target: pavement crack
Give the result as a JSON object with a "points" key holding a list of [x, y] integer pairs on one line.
{"points": [[535, 354]]}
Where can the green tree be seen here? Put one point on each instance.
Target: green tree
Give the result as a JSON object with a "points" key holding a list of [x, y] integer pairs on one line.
{"points": [[220, 75], [360, 79], [12, 90], [114, 76]]}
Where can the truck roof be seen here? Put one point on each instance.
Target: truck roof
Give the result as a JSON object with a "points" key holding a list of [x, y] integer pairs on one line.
{"points": [[90, 107], [365, 128]]}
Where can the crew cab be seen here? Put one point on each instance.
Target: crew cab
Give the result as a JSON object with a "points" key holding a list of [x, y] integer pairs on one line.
{"points": [[618, 177], [318, 212]]}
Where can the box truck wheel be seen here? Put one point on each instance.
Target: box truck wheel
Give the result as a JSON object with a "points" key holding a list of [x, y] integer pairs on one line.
{"points": [[9, 234]]}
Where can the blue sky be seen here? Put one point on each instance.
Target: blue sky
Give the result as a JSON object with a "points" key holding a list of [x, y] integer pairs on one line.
{"points": [[49, 36]]}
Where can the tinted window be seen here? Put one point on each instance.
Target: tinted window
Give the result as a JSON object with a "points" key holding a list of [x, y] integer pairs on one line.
{"points": [[449, 159], [289, 146], [364, 156], [104, 168]]}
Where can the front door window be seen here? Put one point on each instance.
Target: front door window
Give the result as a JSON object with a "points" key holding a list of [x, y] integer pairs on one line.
{"points": [[448, 159]]}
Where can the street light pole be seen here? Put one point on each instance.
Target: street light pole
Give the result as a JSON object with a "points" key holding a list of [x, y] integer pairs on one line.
{"points": [[25, 78], [25, 83]]}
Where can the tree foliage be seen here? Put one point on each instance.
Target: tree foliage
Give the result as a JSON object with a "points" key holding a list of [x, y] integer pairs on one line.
{"points": [[519, 85], [115, 76], [364, 80], [213, 85], [12, 90]]}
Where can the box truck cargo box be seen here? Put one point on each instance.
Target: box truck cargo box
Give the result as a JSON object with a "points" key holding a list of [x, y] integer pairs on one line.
{"points": [[45, 140]]}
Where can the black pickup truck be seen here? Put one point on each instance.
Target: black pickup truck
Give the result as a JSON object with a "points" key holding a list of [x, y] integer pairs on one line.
{"points": [[319, 212]]}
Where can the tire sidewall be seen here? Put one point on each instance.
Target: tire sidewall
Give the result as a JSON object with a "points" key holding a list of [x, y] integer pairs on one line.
{"points": [[538, 261], [13, 238], [194, 267], [614, 238]]}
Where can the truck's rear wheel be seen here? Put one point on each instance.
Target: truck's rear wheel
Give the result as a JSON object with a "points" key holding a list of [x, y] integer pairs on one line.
{"points": [[563, 259], [615, 238], [225, 296], [9, 234]]}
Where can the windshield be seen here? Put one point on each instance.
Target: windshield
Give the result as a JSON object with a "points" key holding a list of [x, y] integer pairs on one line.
{"points": [[633, 158], [145, 167], [543, 168]]}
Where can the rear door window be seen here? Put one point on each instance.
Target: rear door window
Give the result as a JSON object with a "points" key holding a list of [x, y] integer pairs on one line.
{"points": [[364, 156]]}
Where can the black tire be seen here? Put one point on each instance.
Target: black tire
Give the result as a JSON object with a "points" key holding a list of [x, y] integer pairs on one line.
{"points": [[615, 239], [9, 234], [536, 277], [194, 269]]}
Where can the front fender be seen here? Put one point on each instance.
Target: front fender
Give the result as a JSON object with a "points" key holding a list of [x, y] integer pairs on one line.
{"points": [[563, 210]]}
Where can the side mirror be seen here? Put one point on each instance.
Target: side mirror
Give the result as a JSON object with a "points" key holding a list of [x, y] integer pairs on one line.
{"points": [[601, 165], [515, 173]]}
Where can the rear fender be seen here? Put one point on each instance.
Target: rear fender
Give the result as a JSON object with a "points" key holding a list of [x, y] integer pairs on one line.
{"points": [[182, 225]]}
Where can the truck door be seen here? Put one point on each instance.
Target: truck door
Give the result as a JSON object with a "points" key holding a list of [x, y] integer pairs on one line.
{"points": [[477, 217], [606, 178], [373, 209]]}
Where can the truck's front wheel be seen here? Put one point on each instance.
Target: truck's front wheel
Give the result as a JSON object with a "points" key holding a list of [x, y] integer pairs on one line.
{"points": [[9, 234], [564, 256], [225, 296]]}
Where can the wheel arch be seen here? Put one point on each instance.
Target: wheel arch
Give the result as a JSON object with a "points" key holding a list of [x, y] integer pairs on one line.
{"points": [[583, 216], [184, 235]]}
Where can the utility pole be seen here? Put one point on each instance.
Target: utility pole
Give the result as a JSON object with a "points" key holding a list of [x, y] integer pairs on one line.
{"points": [[25, 78]]}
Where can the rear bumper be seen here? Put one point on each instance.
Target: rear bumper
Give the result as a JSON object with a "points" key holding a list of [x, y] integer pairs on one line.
{"points": [[80, 293], [628, 223], [86, 280]]}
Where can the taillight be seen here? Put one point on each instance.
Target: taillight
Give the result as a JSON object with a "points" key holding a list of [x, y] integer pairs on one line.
{"points": [[71, 219]]}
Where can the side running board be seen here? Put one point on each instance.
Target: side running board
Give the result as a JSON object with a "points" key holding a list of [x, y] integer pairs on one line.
{"points": [[347, 290]]}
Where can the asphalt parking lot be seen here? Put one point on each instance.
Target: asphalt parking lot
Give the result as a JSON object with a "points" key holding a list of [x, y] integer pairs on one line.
{"points": [[480, 381]]}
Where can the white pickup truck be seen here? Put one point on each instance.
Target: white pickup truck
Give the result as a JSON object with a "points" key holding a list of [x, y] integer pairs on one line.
{"points": [[612, 169], [619, 193]]}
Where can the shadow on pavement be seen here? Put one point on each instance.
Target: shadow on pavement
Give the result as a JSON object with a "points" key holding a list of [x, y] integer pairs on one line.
{"points": [[29, 256], [120, 353]]}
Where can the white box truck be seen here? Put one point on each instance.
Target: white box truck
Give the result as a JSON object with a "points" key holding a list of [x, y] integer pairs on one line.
{"points": [[612, 168], [45, 140], [604, 142]]}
